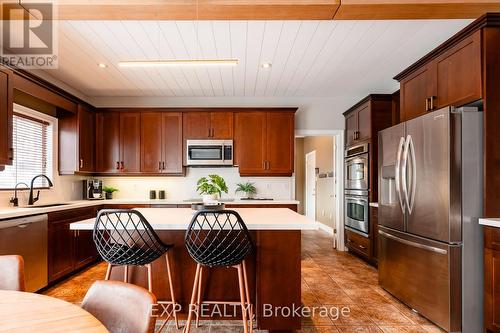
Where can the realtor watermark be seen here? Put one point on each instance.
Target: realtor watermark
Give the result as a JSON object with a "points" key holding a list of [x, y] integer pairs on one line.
{"points": [[229, 311], [29, 35]]}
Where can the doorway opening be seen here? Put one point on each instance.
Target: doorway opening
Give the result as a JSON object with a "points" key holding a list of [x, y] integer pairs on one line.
{"points": [[319, 180]]}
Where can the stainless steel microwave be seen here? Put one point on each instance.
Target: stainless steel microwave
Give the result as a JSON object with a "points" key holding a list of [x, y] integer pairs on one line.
{"points": [[209, 152]]}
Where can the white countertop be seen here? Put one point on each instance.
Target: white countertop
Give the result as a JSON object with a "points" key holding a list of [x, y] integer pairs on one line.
{"points": [[254, 218], [490, 222], [13, 212]]}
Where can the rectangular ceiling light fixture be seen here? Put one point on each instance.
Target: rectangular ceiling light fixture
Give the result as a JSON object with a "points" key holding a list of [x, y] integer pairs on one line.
{"points": [[179, 62]]}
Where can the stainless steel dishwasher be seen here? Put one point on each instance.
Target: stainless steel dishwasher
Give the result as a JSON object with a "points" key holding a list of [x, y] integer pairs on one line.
{"points": [[27, 237]]}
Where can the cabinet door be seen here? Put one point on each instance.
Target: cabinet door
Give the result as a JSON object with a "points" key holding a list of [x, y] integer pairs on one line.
{"points": [[86, 139], [151, 144], [172, 142], [130, 141], [374, 232], [459, 73], [6, 105], [61, 249], [222, 125], [196, 125], [85, 250], [415, 90], [108, 142], [351, 127], [280, 142], [250, 142], [492, 289], [364, 123]]}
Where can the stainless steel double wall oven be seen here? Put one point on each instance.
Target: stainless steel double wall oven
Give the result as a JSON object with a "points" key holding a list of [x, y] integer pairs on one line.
{"points": [[357, 189]]}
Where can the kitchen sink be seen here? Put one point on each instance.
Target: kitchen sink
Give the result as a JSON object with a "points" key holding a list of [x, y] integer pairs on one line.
{"points": [[46, 205]]}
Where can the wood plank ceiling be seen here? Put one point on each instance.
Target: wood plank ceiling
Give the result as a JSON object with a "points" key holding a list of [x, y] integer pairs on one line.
{"points": [[309, 58]]}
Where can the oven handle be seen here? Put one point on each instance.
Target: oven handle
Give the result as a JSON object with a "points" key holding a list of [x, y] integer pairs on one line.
{"points": [[362, 201], [398, 173], [414, 244]]}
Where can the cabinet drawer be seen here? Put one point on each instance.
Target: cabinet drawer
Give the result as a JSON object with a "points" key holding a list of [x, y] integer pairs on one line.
{"points": [[357, 243], [71, 215], [492, 238]]}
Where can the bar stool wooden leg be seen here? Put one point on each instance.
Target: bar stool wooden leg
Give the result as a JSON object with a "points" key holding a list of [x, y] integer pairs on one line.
{"points": [[187, 327], [108, 272], [242, 297], [150, 278], [125, 274], [247, 294], [198, 298], [171, 286]]}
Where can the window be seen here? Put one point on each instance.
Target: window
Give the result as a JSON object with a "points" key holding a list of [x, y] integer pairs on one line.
{"points": [[32, 141]]}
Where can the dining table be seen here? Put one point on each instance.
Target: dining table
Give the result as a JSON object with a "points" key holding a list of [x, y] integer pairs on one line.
{"points": [[30, 312]]}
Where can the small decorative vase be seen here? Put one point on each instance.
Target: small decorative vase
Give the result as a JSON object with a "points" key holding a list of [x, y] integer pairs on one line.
{"points": [[109, 195], [210, 198]]}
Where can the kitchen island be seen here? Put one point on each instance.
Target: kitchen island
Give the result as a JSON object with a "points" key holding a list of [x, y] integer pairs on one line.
{"points": [[274, 269]]}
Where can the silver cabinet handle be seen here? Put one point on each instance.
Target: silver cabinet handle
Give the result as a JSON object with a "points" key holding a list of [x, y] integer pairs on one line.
{"points": [[81, 163], [414, 176], [414, 244], [398, 172], [404, 169]]}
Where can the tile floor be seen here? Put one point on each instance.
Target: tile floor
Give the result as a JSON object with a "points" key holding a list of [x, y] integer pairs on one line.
{"points": [[336, 280]]}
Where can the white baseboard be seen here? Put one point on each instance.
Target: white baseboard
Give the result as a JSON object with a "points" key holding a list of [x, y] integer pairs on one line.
{"points": [[325, 228]]}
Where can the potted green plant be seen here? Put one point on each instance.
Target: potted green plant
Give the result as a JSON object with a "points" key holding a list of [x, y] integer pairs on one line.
{"points": [[109, 190], [211, 187], [248, 188]]}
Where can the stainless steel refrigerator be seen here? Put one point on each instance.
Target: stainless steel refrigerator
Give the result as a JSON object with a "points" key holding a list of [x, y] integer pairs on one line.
{"points": [[430, 199]]}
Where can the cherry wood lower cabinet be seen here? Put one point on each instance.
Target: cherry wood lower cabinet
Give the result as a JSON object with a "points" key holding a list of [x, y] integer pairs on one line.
{"points": [[69, 250], [492, 279], [365, 247], [274, 277]]}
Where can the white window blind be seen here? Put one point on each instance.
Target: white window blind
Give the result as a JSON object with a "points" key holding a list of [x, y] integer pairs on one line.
{"points": [[32, 141]]}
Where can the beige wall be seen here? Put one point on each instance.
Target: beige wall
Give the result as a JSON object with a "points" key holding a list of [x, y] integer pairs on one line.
{"points": [[325, 205]]}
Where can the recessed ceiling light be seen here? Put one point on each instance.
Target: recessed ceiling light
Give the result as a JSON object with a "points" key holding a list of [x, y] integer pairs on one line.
{"points": [[179, 62], [266, 65], [102, 65]]}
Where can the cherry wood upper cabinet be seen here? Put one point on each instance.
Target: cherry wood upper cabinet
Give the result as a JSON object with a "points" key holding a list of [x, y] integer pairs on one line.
{"points": [[172, 143], [221, 124], [130, 141], [151, 142], [459, 73], [196, 125], [417, 92], [86, 138], [208, 125], [351, 128], [366, 118], [250, 135], [77, 140], [280, 142], [450, 77], [6, 109], [264, 142], [161, 142], [108, 142]]}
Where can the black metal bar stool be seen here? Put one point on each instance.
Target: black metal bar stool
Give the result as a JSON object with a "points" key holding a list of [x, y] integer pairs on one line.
{"points": [[124, 237], [219, 239]]}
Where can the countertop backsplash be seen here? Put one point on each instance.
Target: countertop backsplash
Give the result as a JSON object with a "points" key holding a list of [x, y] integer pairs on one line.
{"points": [[180, 188], [67, 188]]}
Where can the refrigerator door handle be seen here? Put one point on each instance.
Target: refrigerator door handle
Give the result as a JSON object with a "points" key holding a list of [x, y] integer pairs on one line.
{"points": [[398, 173], [414, 244], [404, 170], [414, 175]]}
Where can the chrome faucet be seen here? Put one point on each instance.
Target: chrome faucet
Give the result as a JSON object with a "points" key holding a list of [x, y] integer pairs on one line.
{"points": [[32, 200], [15, 200]]}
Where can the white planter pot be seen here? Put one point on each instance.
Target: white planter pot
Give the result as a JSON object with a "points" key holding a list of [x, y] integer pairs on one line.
{"points": [[209, 198]]}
